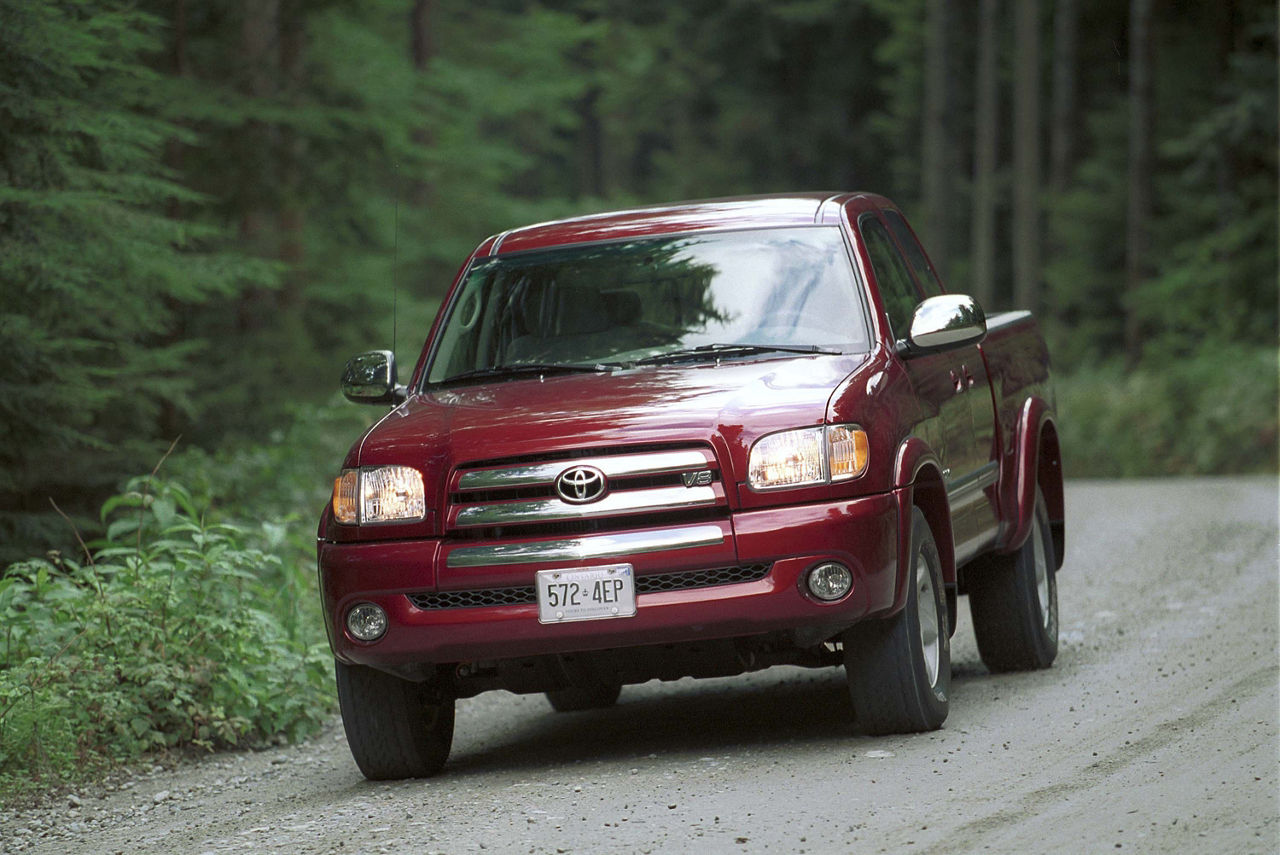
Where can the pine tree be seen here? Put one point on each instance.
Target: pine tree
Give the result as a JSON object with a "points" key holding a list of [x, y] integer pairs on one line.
{"points": [[91, 269]]}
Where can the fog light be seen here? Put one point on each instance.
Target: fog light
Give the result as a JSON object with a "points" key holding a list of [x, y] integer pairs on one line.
{"points": [[366, 622], [830, 581]]}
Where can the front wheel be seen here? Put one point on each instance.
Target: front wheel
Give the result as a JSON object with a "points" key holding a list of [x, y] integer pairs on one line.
{"points": [[899, 669], [395, 728], [1014, 602]]}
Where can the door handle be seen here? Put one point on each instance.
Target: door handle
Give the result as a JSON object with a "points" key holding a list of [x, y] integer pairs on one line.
{"points": [[964, 380]]}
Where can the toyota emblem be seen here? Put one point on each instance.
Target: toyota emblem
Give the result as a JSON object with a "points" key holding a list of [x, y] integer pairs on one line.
{"points": [[581, 484]]}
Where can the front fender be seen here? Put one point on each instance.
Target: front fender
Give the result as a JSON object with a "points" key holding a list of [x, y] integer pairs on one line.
{"points": [[918, 475]]}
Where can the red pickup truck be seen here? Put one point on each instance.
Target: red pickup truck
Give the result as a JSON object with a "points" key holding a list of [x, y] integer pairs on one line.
{"points": [[692, 440]]}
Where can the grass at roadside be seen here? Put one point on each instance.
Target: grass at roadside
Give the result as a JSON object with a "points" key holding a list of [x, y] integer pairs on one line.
{"points": [[1214, 414]]}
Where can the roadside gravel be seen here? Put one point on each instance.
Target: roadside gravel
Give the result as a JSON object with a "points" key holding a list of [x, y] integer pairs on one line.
{"points": [[1157, 730]]}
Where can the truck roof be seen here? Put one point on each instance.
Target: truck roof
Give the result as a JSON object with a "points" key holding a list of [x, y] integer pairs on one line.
{"points": [[786, 209]]}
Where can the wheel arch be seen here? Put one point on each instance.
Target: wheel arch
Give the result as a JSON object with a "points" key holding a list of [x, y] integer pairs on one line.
{"points": [[1037, 463], [918, 475]]}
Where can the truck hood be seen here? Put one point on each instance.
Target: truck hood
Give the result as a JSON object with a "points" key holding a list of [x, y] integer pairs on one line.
{"points": [[728, 406]]}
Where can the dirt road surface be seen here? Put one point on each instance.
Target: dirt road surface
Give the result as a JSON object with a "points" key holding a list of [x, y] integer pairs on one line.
{"points": [[1157, 730]]}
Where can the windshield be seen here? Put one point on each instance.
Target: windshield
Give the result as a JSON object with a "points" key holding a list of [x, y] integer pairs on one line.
{"points": [[630, 301]]}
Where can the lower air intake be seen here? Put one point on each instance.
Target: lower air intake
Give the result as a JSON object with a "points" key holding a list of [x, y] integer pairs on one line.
{"points": [[650, 584]]}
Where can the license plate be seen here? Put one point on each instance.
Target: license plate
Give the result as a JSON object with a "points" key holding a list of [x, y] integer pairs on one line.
{"points": [[591, 593]]}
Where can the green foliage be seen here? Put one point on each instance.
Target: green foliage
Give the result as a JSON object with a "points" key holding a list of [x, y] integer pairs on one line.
{"points": [[1221, 238], [169, 637], [91, 270], [1214, 414], [283, 484], [1214, 234], [899, 123], [1084, 317]]}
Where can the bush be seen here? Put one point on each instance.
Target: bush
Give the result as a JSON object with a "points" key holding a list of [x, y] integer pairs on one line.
{"points": [[283, 479], [1213, 413], [173, 634], [281, 483]]}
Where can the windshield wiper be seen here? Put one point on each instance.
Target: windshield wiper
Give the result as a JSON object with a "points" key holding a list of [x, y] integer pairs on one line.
{"points": [[718, 350], [521, 369]]}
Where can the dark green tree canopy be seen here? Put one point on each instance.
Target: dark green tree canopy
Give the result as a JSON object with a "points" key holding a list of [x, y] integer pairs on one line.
{"points": [[206, 205]]}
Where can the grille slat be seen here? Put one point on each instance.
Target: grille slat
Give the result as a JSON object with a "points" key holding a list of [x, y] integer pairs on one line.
{"points": [[649, 584], [636, 481]]}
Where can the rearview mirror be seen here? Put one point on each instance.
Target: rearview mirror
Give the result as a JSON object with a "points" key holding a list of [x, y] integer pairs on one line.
{"points": [[370, 378], [943, 323]]}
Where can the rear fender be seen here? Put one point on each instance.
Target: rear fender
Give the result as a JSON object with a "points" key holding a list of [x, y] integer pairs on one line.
{"points": [[1037, 461]]}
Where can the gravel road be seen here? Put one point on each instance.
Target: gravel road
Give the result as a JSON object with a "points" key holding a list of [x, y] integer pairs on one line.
{"points": [[1157, 730]]}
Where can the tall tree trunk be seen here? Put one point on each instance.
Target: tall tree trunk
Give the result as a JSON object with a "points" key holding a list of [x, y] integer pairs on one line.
{"points": [[422, 48], [257, 38], [1062, 139], [292, 42], [939, 147], [178, 68], [1026, 156], [169, 420], [1225, 165], [1141, 158], [422, 45], [985, 138], [591, 174]]}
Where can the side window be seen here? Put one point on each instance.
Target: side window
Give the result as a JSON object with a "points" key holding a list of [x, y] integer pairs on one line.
{"points": [[919, 262], [897, 290]]}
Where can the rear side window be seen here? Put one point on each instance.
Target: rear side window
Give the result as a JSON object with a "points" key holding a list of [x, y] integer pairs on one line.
{"points": [[916, 258], [897, 290]]}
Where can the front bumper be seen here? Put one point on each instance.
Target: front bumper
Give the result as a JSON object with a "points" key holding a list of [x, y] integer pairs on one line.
{"points": [[862, 533]]}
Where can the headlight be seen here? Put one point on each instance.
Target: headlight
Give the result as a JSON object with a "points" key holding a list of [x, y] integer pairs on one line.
{"points": [[792, 458], [380, 494], [800, 458]]}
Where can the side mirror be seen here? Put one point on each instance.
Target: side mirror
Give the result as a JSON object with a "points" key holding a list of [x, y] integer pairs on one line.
{"points": [[370, 378], [944, 323]]}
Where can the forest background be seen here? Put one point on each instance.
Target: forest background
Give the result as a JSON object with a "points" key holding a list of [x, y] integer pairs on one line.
{"points": [[206, 206]]}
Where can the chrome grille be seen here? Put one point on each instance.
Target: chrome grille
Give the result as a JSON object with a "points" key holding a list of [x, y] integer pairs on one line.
{"points": [[650, 584], [613, 466], [522, 493]]}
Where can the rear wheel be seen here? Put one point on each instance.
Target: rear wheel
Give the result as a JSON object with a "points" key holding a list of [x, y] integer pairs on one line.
{"points": [[899, 669], [395, 728], [1014, 602], [577, 698]]}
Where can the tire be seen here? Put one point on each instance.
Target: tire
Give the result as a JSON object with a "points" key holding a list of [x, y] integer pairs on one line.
{"points": [[1014, 602], [899, 668], [395, 728], [576, 698]]}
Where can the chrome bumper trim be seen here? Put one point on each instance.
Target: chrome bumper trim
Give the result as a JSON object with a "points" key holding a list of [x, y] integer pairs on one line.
{"points": [[579, 548]]}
